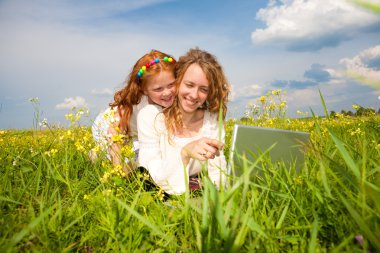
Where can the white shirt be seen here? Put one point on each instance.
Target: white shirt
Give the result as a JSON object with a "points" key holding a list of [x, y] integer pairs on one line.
{"points": [[163, 158]]}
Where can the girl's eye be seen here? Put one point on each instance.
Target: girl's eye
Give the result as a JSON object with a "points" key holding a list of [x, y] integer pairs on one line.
{"points": [[204, 90], [157, 89]]}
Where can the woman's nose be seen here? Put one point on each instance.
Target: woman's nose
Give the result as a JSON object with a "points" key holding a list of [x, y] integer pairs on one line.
{"points": [[194, 93]]}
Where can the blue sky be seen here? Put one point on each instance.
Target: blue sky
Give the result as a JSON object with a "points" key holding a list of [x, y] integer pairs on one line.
{"points": [[78, 53]]}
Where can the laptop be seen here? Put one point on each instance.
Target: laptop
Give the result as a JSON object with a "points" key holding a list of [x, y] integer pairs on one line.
{"points": [[259, 146]]}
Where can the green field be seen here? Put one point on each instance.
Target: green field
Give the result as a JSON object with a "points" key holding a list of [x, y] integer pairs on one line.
{"points": [[54, 199]]}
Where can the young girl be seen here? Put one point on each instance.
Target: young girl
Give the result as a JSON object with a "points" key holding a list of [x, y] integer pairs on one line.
{"points": [[151, 81], [176, 144]]}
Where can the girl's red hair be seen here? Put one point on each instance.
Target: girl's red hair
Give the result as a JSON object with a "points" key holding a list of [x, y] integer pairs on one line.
{"points": [[134, 88]]}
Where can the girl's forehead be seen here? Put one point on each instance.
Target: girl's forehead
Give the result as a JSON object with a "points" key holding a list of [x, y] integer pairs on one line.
{"points": [[162, 78]]}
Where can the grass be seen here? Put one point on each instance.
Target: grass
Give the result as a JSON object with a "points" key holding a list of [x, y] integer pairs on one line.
{"points": [[53, 199]]}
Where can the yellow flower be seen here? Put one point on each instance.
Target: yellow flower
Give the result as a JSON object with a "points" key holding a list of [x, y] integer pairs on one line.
{"points": [[118, 138], [86, 197], [276, 92], [262, 99], [355, 107]]}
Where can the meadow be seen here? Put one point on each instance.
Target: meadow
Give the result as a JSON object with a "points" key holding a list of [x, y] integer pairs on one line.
{"points": [[54, 199]]}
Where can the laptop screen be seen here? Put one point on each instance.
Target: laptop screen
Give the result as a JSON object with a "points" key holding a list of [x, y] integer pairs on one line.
{"points": [[251, 144]]}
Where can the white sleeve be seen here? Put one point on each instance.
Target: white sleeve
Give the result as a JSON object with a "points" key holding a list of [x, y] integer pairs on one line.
{"points": [[162, 160]]}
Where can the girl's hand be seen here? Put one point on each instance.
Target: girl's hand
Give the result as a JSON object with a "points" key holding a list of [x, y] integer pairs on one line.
{"points": [[202, 149]]}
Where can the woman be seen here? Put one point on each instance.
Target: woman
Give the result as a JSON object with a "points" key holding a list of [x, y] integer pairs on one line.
{"points": [[176, 144]]}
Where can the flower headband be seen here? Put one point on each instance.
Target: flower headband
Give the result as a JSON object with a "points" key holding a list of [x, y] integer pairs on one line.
{"points": [[151, 63]]}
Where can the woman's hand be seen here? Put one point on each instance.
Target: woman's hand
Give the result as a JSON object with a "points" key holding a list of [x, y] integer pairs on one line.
{"points": [[202, 149]]}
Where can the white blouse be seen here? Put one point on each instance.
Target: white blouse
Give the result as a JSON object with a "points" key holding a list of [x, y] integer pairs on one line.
{"points": [[163, 158]]}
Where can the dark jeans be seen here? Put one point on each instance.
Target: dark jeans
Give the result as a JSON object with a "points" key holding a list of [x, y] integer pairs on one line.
{"points": [[150, 185]]}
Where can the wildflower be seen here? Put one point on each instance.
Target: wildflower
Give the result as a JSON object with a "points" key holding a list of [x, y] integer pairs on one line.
{"points": [[51, 153], [79, 146], [2, 132], [276, 92], [127, 151], [262, 99], [14, 163], [359, 239], [282, 105], [298, 180], [105, 177], [358, 131], [355, 107], [118, 138], [160, 194], [86, 197], [34, 100], [44, 123], [107, 192]]}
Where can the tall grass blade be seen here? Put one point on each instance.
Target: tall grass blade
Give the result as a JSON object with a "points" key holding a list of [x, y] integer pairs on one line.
{"points": [[361, 223], [346, 156], [313, 241], [145, 221], [324, 104], [20, 235]]}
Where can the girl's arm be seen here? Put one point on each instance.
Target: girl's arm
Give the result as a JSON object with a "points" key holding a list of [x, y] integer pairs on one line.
{"points": [[116, 140]]}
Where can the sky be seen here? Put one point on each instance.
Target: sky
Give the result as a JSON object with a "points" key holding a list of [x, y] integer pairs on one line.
{"points": [[78, 53]]}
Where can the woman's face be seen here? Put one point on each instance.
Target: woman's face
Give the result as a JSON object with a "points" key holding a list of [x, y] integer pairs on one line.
{"points": [[161, 89], [193, 89]]}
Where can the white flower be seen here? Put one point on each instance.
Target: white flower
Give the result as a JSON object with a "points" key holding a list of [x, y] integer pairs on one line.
{"points": [[43, 123]]}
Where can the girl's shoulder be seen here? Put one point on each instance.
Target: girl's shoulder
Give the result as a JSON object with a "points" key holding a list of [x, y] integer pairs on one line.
{"points": [[143, 102], [110, 115]]}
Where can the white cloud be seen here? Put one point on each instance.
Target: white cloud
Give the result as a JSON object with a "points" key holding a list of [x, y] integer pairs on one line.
{"points": [[104, 91], [303, 98], [253, 90], [69, 103], [303, 25], [359, 65]]}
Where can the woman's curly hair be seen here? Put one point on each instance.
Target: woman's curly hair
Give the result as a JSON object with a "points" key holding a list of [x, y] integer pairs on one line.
{"points": [[218, 86]]}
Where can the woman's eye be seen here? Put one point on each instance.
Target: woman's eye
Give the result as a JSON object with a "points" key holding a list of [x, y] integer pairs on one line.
{"points": [[158, 90]]}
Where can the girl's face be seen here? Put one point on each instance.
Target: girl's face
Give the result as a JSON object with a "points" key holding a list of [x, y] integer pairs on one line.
{"points": [[193, 89], [161, 89]]}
